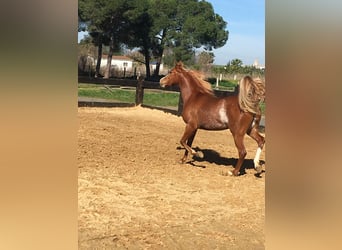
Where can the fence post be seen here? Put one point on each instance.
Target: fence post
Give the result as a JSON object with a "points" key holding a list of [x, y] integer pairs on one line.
{"points": [[139, 91]]}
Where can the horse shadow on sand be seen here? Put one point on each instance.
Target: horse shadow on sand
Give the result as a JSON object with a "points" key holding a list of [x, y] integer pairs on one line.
{"points": [[212, 156]]}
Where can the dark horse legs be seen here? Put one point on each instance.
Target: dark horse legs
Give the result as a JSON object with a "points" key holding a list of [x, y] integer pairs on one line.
{"points": [[253, 132], [186, 141], [190, 133], [238, 139]]}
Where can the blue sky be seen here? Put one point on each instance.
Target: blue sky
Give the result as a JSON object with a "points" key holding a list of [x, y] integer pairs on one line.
{"points": [[246, 25]]}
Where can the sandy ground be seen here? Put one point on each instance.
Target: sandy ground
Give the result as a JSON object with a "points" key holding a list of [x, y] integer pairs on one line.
{"points": [[134, 193]]}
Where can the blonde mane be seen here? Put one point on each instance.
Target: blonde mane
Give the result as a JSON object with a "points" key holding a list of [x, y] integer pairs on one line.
{"points": [[202, 85], [198, 79], [251, 94]]}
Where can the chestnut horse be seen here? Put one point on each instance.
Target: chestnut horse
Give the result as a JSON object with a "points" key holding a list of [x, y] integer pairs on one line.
{"points": [[203, 110]]}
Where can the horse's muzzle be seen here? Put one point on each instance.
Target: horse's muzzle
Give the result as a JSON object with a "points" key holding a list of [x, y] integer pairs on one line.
{"points": [[161, 82]]}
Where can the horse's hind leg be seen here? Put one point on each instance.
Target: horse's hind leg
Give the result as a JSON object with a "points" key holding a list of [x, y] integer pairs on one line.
{"points": [[187, 139], [238, 139], [254, 133]]}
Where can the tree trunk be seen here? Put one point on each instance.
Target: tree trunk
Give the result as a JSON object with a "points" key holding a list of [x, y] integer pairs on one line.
{"points": [[99, 56], [109, 59], [160, 52], [147, 64], [159, 59]]}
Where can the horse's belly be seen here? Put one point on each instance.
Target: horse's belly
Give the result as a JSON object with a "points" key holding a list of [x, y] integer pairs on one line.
{"points": [[214, 125], [214, 120]]}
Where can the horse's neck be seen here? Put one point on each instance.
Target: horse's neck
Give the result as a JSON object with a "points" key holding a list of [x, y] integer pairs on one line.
{"points": [[186, 90]]}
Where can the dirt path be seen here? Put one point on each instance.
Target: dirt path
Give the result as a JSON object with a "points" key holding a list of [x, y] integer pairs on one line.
{"points": [[133, 193]]}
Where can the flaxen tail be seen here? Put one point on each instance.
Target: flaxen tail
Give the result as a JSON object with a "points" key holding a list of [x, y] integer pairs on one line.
{"points": [[251, 93]]}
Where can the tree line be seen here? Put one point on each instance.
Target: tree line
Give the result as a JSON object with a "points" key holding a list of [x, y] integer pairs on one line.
{"points": [[159, 29], [236, 66]]}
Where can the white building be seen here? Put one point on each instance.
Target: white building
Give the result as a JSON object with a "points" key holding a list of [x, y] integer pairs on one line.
{"points": [[257, 65], [153, 66], [118, 62]]}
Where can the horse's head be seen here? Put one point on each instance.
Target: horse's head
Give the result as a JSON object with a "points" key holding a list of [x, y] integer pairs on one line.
{"points": [[173, 77]]}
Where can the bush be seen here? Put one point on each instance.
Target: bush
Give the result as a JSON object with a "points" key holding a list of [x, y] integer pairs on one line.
{"points": [[223, 83], [230, 83]]}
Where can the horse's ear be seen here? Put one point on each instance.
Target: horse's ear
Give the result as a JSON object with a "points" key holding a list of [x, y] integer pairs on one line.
{"points": [[179, 64]]}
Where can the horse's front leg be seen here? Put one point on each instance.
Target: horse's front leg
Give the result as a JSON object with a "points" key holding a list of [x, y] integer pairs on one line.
{"points": [[186, 141], [189, 143]]}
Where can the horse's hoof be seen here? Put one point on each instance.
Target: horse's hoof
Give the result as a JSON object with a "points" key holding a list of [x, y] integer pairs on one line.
{"points": [[230, 173], [258, 175], [258, 169], [199, 154]]}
